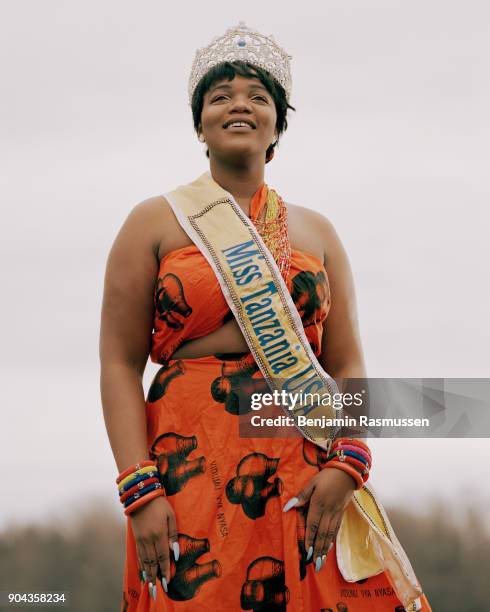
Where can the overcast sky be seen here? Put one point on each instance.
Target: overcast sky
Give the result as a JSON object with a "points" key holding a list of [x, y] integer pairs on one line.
{"points": [[389, 141]]}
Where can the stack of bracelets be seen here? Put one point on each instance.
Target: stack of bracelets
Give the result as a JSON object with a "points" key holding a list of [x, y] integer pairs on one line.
{"points": [[138, 485], [352, 456]]}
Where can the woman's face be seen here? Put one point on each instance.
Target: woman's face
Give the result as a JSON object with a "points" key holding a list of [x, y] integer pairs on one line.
{"points": [[242, 100]]}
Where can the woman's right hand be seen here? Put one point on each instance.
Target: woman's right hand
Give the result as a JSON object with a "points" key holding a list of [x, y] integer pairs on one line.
{"points": [[155, 531]]}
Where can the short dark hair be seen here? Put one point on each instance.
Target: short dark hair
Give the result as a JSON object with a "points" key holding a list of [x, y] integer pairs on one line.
{"points": [[227, 71]]}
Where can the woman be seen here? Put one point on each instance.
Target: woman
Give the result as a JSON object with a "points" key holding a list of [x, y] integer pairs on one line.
{"points": [[217, 521]]}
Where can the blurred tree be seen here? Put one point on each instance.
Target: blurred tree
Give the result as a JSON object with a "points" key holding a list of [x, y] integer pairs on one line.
{"points": [[86, 558], [451, 561]]}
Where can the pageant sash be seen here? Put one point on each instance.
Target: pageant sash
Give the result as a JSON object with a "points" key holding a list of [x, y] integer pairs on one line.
{"points": [[367, 545], [257, 295]]}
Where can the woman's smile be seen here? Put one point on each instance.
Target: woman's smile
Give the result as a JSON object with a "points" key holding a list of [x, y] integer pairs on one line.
{"points": [[240, 127]]}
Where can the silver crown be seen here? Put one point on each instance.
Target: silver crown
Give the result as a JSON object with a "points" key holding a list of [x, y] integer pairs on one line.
{"points": [[242, 43]]}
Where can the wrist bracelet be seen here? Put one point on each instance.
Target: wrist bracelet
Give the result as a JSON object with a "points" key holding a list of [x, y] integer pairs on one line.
{"points": [[361, 467], [134, 468], [139, 484], [132, 479], [130, 484], [142, 501], [354, 442], [352, 456], [137, 488], [343, 454], [354, 449], [139, 494]]}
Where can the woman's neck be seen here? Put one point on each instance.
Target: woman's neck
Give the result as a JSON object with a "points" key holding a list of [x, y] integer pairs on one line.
{"points": [[241, 181]]}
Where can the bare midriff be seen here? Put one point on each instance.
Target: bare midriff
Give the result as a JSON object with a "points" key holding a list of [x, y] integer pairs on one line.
{"points": [[227, 339]]}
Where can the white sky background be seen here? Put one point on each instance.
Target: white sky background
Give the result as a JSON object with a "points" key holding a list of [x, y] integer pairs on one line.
{"points": [[390, 141]]}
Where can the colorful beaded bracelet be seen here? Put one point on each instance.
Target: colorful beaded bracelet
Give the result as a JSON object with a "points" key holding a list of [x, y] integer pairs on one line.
{"points": [[131, 479], [353, 445], [354, 441], [142, 493], [137, 480], [139, 484], [352, 456], [137, 488], [364, 475], [135, 468], [362, 468], [355, 449], [343, 454], [143, 500]]}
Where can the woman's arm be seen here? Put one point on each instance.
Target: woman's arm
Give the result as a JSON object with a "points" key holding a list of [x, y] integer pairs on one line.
{"points": [[125, 338], [341, 354], [125, 334]]}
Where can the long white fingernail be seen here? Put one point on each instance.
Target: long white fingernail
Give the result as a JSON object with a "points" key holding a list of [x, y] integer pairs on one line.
{"points": [[164, 585], [150, 589], [324, 559], [318, 564], [143, 573], [310, 553], [176, 549], [290, 504]]}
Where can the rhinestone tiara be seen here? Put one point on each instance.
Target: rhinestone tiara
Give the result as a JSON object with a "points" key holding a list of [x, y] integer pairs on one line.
{"points": [[242, 43]]}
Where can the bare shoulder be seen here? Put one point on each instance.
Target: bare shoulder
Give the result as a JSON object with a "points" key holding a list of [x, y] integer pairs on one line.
{"points": [[154, 210], [138, 237], [310, 216], [153, 221], [311, 231]]}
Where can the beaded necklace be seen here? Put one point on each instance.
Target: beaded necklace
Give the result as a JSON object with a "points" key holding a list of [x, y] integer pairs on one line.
{"points": [[273, 228]]}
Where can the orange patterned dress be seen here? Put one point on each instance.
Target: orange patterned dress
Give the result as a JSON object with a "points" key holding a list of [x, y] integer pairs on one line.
{"points": [[239, 551]]}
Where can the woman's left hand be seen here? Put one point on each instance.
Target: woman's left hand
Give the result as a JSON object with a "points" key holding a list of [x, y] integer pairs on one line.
{"points": [[328, 494]]}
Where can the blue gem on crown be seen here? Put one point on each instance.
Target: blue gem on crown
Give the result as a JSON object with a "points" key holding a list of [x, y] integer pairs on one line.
{"points": [[242, 42]]}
